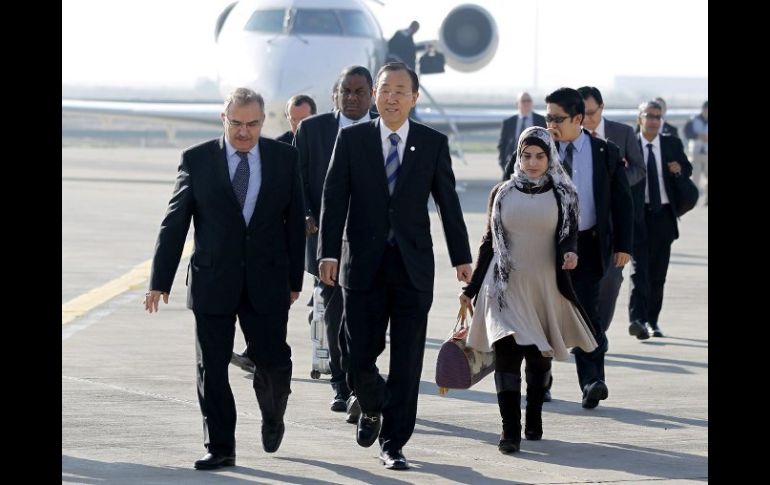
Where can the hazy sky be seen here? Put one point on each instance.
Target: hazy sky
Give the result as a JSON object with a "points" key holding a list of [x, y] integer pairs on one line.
{"points": [[171, 43]]}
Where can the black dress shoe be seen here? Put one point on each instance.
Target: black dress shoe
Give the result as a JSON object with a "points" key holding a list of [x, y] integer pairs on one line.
{"points": [[368, 429], [339, 403], [212, 461], [655, 330], [354, 409], [593, 393], [243, 361], [547, 396], [639, 330], [395, 460], [508, 445], [272, 435]]}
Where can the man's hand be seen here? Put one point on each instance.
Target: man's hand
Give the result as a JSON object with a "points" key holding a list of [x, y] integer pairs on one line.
{"points": [[465, 300], [570, 261], [310, 226], [620, 259], [327, 271], [674, 168], [464, 272], [151, 299], [293, 297]]}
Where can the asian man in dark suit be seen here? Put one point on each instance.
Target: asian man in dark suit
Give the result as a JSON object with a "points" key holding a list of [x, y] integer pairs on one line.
{"points": [[244, 195], [512, 128], [315, 142], [623, 136], [666, 160], [375, 235], [605, 222]]}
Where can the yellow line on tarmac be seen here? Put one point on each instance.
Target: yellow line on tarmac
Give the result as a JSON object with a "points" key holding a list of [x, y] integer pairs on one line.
{"points": [[130, 281]]}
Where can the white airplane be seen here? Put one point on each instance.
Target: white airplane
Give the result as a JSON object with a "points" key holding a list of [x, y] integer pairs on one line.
{"points": [[281, 48]]}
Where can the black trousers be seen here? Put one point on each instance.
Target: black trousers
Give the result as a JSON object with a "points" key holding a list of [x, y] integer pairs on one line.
{"points": [[267, 348], [585, 279], [392, 298], [650, 266], [334, 318]]}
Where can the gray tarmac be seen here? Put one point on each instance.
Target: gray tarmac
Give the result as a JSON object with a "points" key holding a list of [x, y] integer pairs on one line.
{"points": [[129, 407]]}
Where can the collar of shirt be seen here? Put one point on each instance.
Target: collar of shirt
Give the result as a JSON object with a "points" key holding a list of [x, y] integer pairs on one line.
{"points": [[578, 142], [402, 131], [345, 121], [231, 151], [600, 129], [655, 144]]}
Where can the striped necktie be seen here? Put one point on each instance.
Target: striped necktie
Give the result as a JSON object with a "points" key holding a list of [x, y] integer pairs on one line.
{"points": [[392, 163]]}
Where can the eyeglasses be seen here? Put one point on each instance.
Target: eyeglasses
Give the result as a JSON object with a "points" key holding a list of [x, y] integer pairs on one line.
{"points": [[396, 94], [591, 113], [239, 124], [555, 119], [652, 117]]}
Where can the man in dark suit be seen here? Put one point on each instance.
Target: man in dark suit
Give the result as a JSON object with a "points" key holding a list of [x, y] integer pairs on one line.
{"points": [[315, 142], [623, 136], [298, 108], [512, 128], [375, 228], [401, 46], [666, 160], [244, 195], [605, 223]]}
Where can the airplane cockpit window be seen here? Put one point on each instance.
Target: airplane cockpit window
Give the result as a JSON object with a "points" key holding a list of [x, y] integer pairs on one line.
{"points": [[323, 22], [266, 21], [357, 24]]}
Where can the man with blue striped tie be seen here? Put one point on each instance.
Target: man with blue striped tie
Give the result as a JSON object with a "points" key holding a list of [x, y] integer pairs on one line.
{"points": [[375, 228]]}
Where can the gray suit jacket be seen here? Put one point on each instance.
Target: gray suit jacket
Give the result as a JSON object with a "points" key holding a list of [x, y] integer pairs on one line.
{"points": [[624, 137]]}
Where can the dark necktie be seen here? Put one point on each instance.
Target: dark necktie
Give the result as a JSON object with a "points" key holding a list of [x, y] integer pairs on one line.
{"points": [[523, 127], [652, 180], [568, 158], [241, 178]]}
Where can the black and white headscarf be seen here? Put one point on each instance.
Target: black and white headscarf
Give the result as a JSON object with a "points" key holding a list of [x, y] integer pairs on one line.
{"points": [[562, 184]]}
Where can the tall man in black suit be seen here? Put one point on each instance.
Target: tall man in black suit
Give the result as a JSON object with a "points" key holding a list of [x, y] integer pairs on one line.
{"points": [[315, 142], [401, 47], [605, 222], [374, 222], [623, 136], [665, 159], [244, 194], [512, 128]]}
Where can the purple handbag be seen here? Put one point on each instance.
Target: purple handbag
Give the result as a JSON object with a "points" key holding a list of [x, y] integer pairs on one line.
{"points": [[459, 366]]}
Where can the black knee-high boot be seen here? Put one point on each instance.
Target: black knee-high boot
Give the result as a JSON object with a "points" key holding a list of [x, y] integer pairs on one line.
{"points": [[508, 387], [272, 387], [537, 383]]}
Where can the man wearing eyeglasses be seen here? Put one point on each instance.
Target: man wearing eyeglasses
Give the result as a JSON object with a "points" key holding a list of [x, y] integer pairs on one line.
{"points": [[512, 128], [623, 136], [375, 229], [244, 195], [666, 160], [605, 222]]}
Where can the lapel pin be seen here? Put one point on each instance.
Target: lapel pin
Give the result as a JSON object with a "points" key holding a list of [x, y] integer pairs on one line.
{"points": [[411, 149], [601, 149]]}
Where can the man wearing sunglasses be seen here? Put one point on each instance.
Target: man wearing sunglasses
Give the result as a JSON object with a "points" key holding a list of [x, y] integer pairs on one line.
{"points": [[605, 222]]}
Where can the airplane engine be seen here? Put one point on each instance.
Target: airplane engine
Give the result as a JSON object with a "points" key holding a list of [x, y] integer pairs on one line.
{"points": [[468, 37]]}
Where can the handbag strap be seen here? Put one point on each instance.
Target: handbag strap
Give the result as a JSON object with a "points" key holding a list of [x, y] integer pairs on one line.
{"points": [[462, 316]]}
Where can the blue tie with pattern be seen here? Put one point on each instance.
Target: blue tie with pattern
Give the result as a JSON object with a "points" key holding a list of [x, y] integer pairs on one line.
{"points": [[652, 180], [241, 178], [392, 167], [392, 163]]}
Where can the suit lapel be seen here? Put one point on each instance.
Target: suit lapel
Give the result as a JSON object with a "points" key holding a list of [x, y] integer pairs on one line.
{"points": [[374, 145], [223, 173], [266, 159]]}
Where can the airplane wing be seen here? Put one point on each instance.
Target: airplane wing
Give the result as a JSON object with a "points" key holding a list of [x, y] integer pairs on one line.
{"points": [[464, 119]]}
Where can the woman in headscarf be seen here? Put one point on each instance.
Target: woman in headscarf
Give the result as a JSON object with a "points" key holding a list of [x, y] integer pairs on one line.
{"points": [[526, 307]]}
